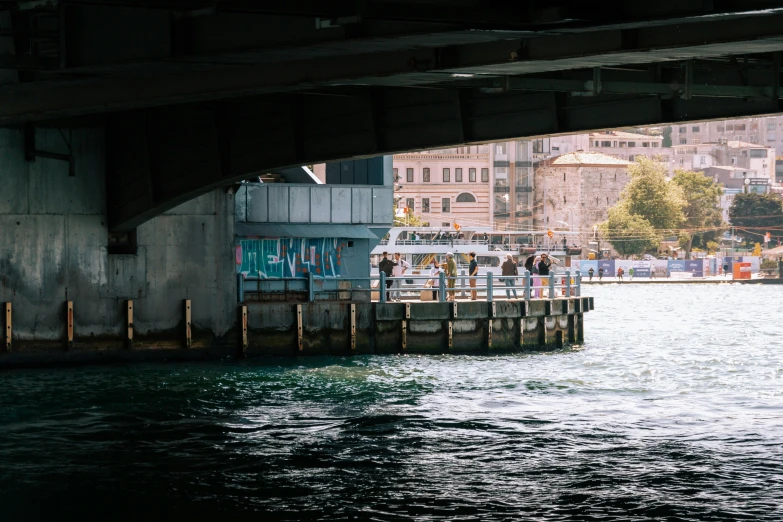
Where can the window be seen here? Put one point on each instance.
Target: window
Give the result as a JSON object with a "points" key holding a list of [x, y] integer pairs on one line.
{"points": [[645, 144], [606, 143], [702, 160], [500, 148], [472, 175], [771, 137], [730, 127], [426, 175], [395, 175], [683, 141], [655, 144], [683, 130], [632, 144], [623, 144], [754, 139], [409, 175], [445, 205], [758, 153], [501, 176], [425, 204], [485, 175], [695, 140], [538, 146], [466, 197], [409, 204], [739, 127], [458, 175], [694, 129], [631, 157], [771, 126], [446, 175], [720, 128]]}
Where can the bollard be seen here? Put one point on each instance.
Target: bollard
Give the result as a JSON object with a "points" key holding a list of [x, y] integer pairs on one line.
{"points": [[382, 295], [241, 288], [310, 287], [551, 286], [528, 286], [188, 332], [129, 321], [490, 289], [568, 284], [442, 287], [578, 281], [69, 321], [9, 334]]}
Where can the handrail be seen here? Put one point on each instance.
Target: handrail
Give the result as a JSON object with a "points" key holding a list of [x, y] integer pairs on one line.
{"points": [[557, 285]]}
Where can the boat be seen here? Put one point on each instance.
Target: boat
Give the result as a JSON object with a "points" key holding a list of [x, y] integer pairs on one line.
{"points": [[421, 245]]}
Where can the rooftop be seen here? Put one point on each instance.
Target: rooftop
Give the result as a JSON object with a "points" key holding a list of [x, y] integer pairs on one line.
{"points": [[625, 135], [588, 158]]}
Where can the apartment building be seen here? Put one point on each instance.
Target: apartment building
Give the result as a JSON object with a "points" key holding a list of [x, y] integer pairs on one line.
{"points": [[747, 159], [628, 145], [767, 132], [575, 191], [445, 186]]}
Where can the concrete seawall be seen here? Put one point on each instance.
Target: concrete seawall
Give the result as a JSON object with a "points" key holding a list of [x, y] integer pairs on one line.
{"points": [[424, 328]]}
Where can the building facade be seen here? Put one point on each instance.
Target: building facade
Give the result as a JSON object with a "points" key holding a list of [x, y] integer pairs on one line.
{"points": [[747, 159], [767, 132], [575, 191], [445, 186], [627, 145]]}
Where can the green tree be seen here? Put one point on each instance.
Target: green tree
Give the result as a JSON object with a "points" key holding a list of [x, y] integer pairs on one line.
{"points": [[408, 219], [629, 234], [757, 214], [667, 137], [703, 221], [650, 196]]}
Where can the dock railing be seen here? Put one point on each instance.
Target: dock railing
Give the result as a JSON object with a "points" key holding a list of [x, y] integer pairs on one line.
{"points": [[488, 287]]}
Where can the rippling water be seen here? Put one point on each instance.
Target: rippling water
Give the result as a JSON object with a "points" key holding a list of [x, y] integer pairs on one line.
{"points": [[673, 409]]}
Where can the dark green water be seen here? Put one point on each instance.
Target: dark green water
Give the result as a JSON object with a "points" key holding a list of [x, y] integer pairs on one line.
{"points": [[672, 410]]}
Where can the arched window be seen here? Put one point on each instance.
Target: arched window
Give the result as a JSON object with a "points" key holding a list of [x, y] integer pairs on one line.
{"points": [[466, 197]]}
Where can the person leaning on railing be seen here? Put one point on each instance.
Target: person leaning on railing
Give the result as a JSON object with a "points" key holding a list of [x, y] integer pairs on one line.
{"points": [[451, 273], [473, 272]]}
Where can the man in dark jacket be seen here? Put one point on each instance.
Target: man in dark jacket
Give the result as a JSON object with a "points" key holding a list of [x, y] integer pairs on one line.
{"points": [[509, 268], [387, 266]]}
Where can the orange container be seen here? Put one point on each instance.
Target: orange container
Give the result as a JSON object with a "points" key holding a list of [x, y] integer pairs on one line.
{"points": [[741, 271]]}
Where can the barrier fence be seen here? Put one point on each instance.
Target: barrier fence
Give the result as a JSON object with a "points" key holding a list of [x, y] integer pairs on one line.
{"points": [[489, 286]]}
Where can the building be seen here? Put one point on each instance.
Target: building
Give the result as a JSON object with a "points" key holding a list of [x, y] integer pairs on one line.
{"points": [[445, 186], [753, 161], [767, 132], [575, 191], [512, 185], [629, 145]]}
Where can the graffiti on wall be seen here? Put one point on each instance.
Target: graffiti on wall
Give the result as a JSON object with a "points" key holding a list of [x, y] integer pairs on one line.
{"points": [[289, 257]]}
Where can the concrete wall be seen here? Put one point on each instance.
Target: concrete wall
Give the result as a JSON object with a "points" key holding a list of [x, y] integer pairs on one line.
{"points": [[54, 248]]}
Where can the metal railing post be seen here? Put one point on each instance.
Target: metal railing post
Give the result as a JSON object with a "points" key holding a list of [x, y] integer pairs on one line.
{"points": [[551, 285], [578, 281], [462, 284], [490, 289], [310, 287], [241, 287], [382, 296], [568, 283], [528, 286], [442, 287]]}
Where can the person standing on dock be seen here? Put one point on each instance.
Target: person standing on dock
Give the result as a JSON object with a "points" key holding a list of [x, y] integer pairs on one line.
{"points": [[630, 273], [473, 272], [509, 268], [435, 274], [544, 268], [620, 273], [387, 266], [590, 273], [400, 266], [451, 274], [600, 273]]}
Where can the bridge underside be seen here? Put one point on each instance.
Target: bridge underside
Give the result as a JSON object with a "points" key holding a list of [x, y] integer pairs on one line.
{"points": [[198, 94]]}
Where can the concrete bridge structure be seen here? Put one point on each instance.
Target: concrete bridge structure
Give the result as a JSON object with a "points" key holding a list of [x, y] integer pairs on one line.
{"points": [[126, 120]]}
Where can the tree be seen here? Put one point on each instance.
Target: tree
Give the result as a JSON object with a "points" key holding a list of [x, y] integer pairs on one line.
{"points": [[667, 137], [703, 220], [629, 234], [408, 219], [757, 214], [650, 196]]}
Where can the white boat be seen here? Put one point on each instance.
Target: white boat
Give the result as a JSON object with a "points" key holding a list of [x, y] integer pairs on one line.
{"points": [[421, 245]]}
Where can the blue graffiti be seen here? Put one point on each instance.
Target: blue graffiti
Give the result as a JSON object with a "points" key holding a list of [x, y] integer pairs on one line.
{"points": [[289, 257]]}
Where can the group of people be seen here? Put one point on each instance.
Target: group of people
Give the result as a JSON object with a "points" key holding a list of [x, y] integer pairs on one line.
{"points": [[538, 265], [620, 273]]}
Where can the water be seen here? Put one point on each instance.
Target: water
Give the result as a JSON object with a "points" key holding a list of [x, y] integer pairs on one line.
{"points": [[673, 409]]}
